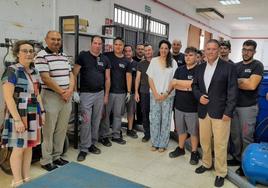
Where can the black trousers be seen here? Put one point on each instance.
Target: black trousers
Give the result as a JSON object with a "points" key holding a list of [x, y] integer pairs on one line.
{"points": [[145, 110]]}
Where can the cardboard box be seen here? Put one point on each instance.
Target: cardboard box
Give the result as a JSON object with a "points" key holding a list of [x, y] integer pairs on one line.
{"points": [[68, 25]]}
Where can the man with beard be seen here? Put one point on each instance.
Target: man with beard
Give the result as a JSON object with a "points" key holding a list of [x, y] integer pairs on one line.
{"points": [[250, 73]]}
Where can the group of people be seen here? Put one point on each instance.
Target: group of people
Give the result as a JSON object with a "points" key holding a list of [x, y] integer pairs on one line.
{"points": [[211, 97]]}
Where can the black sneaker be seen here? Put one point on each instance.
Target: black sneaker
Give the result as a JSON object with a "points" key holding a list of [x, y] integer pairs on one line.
{"points": [[194, 158], [233, 162], [177, 152], [119, 140], [106, 142], [94, 149], [81, 156], [60, 162], [219, 181], [132, 133], [145, 139], [202, 169]]}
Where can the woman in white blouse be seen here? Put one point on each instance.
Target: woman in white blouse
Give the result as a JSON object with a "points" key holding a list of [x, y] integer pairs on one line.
{"points": [[160, 73]]}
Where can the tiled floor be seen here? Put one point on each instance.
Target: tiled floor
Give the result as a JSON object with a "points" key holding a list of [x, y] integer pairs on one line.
{"points": [[135, 161]]}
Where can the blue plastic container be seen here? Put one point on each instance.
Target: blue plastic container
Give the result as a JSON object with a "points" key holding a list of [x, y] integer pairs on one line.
{"points": [[255, 163]]}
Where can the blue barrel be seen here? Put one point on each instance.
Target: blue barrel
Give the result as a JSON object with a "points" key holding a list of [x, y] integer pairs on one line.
{"points": [[261, 133], [255, 163]]}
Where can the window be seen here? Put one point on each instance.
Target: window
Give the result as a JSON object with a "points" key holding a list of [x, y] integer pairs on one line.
{"points": [[128, 18]]}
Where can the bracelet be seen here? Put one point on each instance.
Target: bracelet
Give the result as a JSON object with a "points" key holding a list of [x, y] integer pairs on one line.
{"points": [[17, 121], [43, 111]]}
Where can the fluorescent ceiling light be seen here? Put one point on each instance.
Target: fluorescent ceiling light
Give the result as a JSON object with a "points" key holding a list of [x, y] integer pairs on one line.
{"points": [[245, 18], [230, 2]]}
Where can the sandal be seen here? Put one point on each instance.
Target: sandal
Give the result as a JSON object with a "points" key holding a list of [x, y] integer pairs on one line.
{"points": [[161, 150], [16, 184], [153, 148], [27, 179]]}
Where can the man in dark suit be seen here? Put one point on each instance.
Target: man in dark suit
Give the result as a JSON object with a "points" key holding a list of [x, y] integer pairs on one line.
{"points": [[215, 87]]}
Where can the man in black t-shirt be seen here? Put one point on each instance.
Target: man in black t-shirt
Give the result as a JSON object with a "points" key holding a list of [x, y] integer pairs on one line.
{"points": [[139, 52], [131, 104], [120, 85], [177, 55], [249, 73], [142, 94], [94, 70], [186, 106], [139, 55], [225, 50]]}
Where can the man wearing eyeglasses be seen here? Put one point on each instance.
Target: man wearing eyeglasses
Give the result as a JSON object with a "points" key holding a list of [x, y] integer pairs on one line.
{"points": [[250, 73], [57, 90]]}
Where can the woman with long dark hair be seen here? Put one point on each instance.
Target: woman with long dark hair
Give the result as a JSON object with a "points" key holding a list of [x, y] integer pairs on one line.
{"points": [[160, 74], [24, 111]]}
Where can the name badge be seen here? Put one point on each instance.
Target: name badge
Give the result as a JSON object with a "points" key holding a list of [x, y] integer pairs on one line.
{"points": [[248, 70], [122, 65]]}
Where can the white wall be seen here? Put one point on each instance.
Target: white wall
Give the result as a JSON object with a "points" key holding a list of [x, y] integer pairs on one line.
{"points": [[262, 45]]}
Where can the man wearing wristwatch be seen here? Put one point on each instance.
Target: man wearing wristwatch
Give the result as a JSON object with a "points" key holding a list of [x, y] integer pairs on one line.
{"points": [[120, 73]]}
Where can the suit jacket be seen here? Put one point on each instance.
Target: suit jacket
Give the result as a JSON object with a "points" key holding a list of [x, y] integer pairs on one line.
{"points": [[222, 92]]}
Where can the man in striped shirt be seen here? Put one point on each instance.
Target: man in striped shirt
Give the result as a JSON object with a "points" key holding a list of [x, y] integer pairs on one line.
{"points": [[57, 90]]}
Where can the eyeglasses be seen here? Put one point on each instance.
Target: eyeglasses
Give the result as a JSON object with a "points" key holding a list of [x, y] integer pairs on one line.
{"points": [[247, 50], [25, 51]]}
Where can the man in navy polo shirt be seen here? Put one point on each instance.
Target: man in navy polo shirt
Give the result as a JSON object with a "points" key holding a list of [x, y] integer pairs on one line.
{"points": [[120, 73], [186, 106], [249, 73], [94, 70]]}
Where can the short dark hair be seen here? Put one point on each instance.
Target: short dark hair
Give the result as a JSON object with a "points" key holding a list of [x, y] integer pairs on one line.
{"points": [[215, 41], [96, 36], [147, 44], [128, 45], [199, 52], [226, 43], [119, 38], [190, 50], [139, 44], [16, 47], [250, 43]]}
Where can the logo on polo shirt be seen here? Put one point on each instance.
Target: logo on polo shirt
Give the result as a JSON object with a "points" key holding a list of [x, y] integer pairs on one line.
{"points": [[248, 70], [100, 63], [190, 77], [133, 69], [122, 65]]}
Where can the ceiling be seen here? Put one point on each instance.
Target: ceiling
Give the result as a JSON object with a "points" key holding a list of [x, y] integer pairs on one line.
{"points": [[255, 8]]}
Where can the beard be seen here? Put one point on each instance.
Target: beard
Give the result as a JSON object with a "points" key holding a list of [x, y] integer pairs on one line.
{"points": [[247, 59]]}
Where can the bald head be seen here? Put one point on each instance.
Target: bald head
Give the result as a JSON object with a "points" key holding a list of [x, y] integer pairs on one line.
{"points": [[176, 46]]}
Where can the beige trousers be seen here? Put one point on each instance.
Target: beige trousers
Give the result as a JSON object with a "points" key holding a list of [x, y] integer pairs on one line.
{"points": [[55, 128], [220, 131]]}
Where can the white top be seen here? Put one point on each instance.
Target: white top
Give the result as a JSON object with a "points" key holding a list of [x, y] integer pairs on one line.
{"points": [[209, 71], [161, 76]]}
